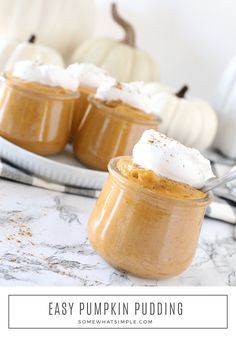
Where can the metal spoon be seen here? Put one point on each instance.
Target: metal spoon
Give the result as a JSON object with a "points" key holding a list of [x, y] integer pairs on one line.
{"points": [[215, 182]]}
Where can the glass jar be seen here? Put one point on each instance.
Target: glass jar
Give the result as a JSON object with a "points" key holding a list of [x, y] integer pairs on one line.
{"points": [[143, 232], [80, 107], [104, 133], [35, 116]]}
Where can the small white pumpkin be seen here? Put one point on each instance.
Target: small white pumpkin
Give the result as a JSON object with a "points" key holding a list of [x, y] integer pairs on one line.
{"points": [[59, 24], [192, 122], [225, 106], [121, 59], [12, 51]]}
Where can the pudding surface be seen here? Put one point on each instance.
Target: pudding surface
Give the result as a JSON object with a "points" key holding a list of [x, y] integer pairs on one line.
{"points": [[161, 185]]}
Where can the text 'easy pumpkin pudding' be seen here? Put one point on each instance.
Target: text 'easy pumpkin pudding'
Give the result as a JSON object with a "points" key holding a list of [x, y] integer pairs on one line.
{"points": [[36, 106], [148, 217], [115, 119], [90, 77]]}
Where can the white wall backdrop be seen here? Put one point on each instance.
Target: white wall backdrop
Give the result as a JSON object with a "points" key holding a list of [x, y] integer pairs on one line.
{"points": [[192, 40]]}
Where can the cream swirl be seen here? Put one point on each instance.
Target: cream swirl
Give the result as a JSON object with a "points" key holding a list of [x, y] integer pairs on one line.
{"points": [[170, 159], [130, 93], [48, 74], [89, 75]]}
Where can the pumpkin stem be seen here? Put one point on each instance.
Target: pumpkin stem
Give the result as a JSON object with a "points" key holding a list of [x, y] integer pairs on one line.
{"points": [[129, 30], [32, 38], [181, 93]]}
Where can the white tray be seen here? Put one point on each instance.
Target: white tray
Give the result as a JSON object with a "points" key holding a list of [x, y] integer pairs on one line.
{"points": [[63, 168]]}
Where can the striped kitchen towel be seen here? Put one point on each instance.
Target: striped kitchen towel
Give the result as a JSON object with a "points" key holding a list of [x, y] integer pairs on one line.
{"points": [[12, 172], [222, 208]]}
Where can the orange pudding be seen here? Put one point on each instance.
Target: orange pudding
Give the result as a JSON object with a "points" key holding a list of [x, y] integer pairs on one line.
{"points": [[35, 116], [109, 129], [80, 107], [146, 224]]}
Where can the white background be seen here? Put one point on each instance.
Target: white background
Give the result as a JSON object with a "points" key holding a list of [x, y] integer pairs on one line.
{"points": [[192, 40]]}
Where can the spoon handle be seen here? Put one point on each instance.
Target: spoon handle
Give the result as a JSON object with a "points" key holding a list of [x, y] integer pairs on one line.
{"points": [[214, 182]]}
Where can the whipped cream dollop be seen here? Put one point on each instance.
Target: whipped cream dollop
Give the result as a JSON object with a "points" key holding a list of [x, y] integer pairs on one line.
{"points": [[132, 93], [153, 88], [170, 159], [89, 75], [48, 74]]}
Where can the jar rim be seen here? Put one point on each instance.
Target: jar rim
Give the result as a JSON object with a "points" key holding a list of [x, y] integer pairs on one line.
{"points": [[69, 96], [155, 195], [100, 105]]}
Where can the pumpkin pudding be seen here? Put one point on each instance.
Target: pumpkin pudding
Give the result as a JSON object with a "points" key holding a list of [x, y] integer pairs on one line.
{"points": [[115, 119], [145, 222], [89, 77], [80, 106], [151, 181], [36, 107]]}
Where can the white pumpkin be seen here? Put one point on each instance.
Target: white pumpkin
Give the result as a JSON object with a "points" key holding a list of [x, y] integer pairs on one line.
{"points": [[121, 59], [192, 122], [225, 106], [12, 51], [60, 24]]}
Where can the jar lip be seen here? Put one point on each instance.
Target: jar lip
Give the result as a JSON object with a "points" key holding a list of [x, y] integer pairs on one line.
{"points": [[69, 96], [115, 172], [99, 104]]}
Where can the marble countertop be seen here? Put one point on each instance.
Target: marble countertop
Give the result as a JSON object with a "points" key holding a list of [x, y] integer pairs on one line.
{"points": [[43, 242]]}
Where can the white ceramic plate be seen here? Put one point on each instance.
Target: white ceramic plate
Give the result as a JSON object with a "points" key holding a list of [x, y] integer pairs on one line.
{"points": [[63, 168]]}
